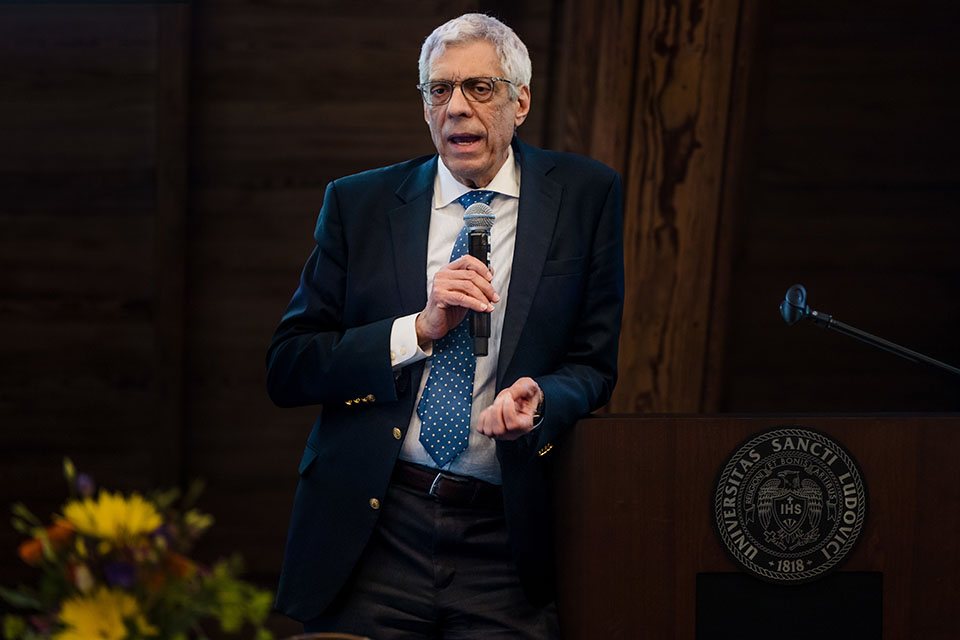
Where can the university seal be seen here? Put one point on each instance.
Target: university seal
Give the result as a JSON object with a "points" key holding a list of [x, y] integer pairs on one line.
{"points": [[789, 504]]}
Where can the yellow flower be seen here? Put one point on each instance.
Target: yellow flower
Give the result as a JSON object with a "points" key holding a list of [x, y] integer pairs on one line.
{"points": [[111, 516], [101, 615]]}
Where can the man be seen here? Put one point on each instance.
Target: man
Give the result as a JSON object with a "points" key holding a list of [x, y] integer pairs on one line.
{"points": [[423, 508]]}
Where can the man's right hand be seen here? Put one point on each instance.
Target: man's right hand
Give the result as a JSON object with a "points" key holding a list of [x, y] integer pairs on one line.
{"points": [[462, 285]]}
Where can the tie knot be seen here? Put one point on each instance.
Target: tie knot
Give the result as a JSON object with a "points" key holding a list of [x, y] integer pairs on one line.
{"points": [[478, 195]]}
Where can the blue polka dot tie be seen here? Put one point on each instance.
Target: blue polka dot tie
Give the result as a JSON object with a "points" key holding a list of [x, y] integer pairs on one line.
{"points": [[444, 407]]}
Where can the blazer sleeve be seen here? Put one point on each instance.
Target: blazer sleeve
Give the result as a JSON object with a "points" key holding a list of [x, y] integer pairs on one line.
{"points": [[314, 358], [585, 378]]}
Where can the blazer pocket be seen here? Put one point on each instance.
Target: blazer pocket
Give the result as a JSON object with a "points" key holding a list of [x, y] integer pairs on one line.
{"points": [[309, 455], [564, 267]]}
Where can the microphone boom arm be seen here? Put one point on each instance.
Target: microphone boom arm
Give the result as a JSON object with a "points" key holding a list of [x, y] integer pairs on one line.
{"points": [[795, 307]]}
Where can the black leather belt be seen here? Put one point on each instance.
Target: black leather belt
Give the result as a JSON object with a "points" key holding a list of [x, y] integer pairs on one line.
{"points": [[448, 488]]}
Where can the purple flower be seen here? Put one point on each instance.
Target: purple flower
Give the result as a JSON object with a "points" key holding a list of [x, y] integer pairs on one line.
{"points": [[120, 574], [85, 485], [41, 624]]}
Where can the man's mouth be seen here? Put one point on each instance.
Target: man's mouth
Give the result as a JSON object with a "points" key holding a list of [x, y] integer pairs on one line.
{"points": [[464, 138]]}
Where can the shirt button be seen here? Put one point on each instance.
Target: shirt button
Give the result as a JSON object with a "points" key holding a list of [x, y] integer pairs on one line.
{"points": [[374, 504], [403, 351], [393, 356], [397, 433]]}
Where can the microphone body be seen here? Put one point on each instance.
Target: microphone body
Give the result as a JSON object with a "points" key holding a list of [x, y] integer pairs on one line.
{"points": [[478, 219], [479, 248]]}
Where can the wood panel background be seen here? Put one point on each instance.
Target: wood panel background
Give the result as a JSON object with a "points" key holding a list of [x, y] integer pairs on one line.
{"points": [[852, 188], [92, 181], [163, 165]]}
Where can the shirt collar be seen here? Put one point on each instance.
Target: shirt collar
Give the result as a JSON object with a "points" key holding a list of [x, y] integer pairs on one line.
{"points": [[447, 189]]}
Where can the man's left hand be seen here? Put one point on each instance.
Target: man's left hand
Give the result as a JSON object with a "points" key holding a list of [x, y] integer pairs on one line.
{"points": [[511, 414]]}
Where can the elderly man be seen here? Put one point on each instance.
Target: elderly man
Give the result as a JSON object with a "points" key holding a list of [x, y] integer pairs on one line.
{"points": [[423, 506]]}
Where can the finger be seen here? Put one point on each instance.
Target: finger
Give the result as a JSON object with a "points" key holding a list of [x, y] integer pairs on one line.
{"points": [[527, 393], [464, 278], [528, 388], [516, 420], [462, 295], [494, 423], [472, 263], [484, 423]]}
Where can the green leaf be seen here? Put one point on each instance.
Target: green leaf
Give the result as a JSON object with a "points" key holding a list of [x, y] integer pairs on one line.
{"points": [[22, 527], [193, 493], [20, 510], [165, 499], [13, 627], [20, 600], [69, 471]]}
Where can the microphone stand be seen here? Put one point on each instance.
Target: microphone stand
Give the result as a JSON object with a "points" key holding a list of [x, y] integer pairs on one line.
{"points": [[794, 307]]}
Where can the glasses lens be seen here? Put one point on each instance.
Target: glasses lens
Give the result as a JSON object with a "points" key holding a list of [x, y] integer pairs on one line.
{"points": [[437, 93], [478, 89]]}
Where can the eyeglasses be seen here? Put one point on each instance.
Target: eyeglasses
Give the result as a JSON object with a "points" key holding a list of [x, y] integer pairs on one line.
{"points": [[440, 92]]}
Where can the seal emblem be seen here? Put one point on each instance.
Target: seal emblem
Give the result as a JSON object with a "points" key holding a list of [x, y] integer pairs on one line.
{"points": [[789, 504]]}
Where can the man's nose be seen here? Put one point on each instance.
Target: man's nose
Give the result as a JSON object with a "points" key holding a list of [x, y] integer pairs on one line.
{"points": [[459, 105]]}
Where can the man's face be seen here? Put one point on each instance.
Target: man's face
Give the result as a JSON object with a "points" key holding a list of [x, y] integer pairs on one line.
{"points": [[473, 138]]}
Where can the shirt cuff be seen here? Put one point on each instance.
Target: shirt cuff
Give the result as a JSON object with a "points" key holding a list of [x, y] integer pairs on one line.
{"points": [[404, 349]]}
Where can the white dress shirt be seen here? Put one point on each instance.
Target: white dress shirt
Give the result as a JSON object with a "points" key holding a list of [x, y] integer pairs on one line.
{"points": [[446, 220]]}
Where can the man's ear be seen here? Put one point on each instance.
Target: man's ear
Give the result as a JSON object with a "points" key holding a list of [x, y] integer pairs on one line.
{"points": [[523, 105]]}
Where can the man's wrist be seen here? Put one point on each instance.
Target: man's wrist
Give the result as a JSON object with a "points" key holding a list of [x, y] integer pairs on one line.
{"points": [[422, 340], [404, 343], [541, 407]]}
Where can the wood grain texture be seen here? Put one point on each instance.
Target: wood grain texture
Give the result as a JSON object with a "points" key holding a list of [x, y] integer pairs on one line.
{"points": [[673, 191], [646, 87], [634, 519]]}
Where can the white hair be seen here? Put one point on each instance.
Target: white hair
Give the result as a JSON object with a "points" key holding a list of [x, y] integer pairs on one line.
{"points": [[470, 27]]}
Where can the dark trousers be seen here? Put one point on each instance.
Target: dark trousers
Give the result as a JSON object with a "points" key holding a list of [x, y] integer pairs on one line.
{"points": [[436, 571]]}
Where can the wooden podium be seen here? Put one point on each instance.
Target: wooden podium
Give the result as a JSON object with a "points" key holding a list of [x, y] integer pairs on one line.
{"points": [[636, 543]]}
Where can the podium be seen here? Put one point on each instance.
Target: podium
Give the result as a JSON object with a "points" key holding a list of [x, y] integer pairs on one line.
{"points": [[638, 555]]}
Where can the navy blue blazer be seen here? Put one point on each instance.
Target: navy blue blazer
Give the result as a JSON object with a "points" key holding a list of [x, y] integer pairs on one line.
{"points": [[561, 327]]}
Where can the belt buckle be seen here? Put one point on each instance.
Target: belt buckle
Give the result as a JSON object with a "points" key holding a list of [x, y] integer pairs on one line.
{"points": [[436, 481]]}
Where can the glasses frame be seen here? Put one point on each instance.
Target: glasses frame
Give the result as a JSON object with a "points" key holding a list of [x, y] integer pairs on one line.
{"points": [[424, 87]]}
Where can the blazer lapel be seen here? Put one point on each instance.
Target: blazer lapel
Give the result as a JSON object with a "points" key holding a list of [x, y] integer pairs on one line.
{"points": [[409, 227], [536, 219]]}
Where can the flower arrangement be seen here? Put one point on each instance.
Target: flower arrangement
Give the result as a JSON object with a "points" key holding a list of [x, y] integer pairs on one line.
{"points": [[115, 567]]}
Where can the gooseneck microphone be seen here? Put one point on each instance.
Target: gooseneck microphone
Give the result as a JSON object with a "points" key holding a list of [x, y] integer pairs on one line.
{"points": [[794, 308], [478, 219]]}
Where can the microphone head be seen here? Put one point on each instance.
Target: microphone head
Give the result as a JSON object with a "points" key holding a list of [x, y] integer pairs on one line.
{"points": [[478, 217], [794, 306]]}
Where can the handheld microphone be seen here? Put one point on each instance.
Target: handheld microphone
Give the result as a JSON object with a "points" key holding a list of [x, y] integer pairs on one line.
{"points": [[478, 219]]}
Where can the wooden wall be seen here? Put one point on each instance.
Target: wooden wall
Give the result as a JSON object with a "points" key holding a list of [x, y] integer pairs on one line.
{"points": [[163, 165], [851, 187], [92, 175], [661, 106]]}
